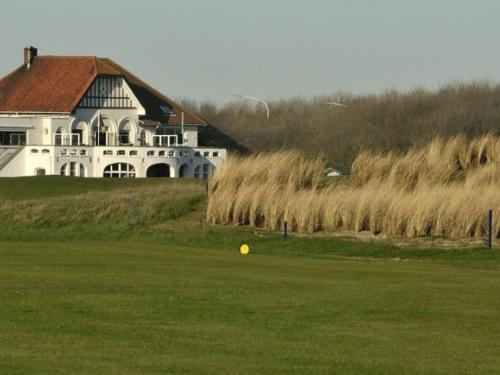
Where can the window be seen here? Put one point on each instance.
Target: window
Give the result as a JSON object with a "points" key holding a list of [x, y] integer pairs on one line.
{"points": [[39, 172], [165, 110], [197, 172], [83, 152], [161, 153], [197, 153], [133, 153], [126, 133], [34, 151], [215, 154], [45, 151], [151, 153], [120, 170], [58, 137], [74, 152], [12, 138], [73, 169], [121, 152], [171, 153], [124, 137], [108, 152], [143, 138], [206, 154], [64, 152]]}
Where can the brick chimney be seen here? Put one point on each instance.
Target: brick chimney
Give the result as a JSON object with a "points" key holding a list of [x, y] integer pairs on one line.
{"points": [[29, 54]]}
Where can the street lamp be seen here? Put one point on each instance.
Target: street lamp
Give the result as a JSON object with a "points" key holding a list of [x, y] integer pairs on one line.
{"points": [[337, 104], [257, 100]]}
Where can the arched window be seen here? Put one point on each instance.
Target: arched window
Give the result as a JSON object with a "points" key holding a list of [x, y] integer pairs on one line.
{"points": [[119, 170], [40, 172], [143, 138], [79, 133], [126, 133], [59, 137]]}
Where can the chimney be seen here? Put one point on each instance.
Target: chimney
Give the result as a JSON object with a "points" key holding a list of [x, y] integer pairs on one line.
{"points": [[29, 54]]}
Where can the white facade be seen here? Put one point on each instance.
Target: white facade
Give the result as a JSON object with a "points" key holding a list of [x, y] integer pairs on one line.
{"points": [[102, 141]]}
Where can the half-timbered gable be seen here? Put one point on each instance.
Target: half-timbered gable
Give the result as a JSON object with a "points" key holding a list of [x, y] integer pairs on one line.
{"points": [[110, 92]]}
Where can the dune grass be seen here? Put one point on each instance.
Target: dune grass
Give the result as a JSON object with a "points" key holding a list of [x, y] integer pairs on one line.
{"points": [[442, 190]]}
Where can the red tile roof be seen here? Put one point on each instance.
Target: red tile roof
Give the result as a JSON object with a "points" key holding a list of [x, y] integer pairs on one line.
{"points": [[56, 84]]}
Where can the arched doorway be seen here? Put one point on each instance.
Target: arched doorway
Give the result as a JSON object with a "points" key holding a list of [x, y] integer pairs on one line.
{"points": [[126, 133], [104, 132], [59, 137], [79, 133], [183, 171], [158, 170]]}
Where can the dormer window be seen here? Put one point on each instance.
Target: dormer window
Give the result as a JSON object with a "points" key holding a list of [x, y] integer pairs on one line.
{"points": [[166, 110]]}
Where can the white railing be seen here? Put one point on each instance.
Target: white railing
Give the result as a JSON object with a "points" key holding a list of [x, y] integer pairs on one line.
{"points": [[165, 140], [69, 139]]}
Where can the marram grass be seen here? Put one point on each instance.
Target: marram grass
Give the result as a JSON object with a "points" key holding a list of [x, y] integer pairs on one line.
{"points": [[443, 189]]}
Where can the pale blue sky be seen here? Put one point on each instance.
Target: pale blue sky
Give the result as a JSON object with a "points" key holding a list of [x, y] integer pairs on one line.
{"points": [[271, 49]]}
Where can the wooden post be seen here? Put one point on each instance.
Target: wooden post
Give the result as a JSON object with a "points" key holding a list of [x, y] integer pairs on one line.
{"points": [[490, 229], [131, 210]]}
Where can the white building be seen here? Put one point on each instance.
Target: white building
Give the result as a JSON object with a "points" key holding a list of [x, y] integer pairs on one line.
{"points": [[90, 117]]}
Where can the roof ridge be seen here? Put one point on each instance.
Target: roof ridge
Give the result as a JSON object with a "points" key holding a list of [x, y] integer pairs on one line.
{"points": [[66, 56]]}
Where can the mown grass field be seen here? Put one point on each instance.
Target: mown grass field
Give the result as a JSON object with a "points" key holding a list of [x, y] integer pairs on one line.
{"points": [[153, 293]]}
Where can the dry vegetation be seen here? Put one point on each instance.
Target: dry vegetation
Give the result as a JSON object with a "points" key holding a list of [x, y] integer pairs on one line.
{"points": [[392, 121], [442, 189]]}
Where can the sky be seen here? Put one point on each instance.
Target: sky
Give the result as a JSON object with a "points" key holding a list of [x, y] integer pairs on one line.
{"points": [[274, 49]]}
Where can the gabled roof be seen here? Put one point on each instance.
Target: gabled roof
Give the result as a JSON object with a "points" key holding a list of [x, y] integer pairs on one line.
{"points": [[56, 84]]}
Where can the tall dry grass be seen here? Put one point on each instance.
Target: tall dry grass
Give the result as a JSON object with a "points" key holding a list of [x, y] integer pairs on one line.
{"points": [[442, 189]]}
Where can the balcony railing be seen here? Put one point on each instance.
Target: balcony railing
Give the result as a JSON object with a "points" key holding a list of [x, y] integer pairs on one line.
{"points": [[115, 139], [166, 141], [66, 139]]}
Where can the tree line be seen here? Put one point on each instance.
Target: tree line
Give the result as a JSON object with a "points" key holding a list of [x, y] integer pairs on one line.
{"points": [[391, 121]]}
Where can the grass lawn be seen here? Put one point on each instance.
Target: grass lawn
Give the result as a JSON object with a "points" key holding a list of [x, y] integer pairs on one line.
{"points": [[129, 308], [110, 296]]}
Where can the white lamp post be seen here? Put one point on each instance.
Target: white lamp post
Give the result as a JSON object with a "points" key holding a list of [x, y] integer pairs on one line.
{"points": [[255, 99]]}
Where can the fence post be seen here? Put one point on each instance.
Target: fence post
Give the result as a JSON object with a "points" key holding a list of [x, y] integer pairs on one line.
{"points": [[490, 229], [285, 230], [131, 210]]}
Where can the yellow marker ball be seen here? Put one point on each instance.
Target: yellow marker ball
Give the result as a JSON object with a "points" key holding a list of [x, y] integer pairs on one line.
{"points": [[244, 249]]}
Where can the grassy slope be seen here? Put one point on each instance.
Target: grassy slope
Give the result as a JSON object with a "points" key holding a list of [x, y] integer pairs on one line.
{"points": [[132, 298]]}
